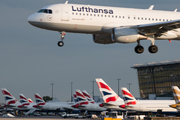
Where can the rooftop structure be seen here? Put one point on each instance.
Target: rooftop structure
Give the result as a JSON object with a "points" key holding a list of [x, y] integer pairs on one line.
{"points": [[157, 78]]}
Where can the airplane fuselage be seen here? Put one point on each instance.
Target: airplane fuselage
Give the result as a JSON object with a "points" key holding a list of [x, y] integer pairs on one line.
{"points": [[153, 106], [96, 19], [107, 23]]}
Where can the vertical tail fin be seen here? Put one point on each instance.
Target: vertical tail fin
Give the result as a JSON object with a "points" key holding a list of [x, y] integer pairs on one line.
{"points": [[176, 94], [9, 98], [108, 94], [30, 100], [89, 98], [23, 100], [128, 97], [75, 97], [39, 100], [81, 98]]}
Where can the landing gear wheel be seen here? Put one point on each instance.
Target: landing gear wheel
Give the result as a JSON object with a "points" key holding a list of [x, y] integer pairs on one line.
{"points": [[60, 43], [153, 49], [139, 49]]}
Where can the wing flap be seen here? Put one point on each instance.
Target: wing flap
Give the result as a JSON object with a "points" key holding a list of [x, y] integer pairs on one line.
{"points": [[160, 27]]}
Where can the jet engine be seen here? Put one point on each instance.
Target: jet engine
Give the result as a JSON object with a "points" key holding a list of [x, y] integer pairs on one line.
{"points": [[103, 39], [126, 35]]}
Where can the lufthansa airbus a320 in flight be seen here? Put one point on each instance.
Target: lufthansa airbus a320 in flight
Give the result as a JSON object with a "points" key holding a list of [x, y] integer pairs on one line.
{"points": [[110, 24]]}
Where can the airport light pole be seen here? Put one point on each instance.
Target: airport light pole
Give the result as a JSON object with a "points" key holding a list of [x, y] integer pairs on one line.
{"points": [[71, 92], [118, 85], [129, 86], [93, 89], [52, 88], [173, 78]]}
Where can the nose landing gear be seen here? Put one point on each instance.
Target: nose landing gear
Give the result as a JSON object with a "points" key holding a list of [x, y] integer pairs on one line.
{"points": [[61, 43]]}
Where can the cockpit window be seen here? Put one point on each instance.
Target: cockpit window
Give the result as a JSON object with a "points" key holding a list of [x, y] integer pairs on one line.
{"points": [[50, 11], [45, 11]]}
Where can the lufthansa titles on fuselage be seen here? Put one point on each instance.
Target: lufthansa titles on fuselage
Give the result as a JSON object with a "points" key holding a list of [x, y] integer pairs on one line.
{"points": [[92, 10]]}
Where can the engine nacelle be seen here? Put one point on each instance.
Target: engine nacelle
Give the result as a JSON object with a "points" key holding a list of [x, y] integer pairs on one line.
{"points": [[126, 35], [103, 39]]}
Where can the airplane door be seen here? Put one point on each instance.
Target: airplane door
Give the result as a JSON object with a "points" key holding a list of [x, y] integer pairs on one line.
{"points": [[65, 13]]}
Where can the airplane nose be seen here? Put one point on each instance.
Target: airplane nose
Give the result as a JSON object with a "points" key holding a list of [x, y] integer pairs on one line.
{"points": [[31, 19]]}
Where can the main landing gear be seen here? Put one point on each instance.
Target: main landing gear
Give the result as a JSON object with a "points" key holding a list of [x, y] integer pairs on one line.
{"points": [[152, 49], [61, 43], [139, 49]]}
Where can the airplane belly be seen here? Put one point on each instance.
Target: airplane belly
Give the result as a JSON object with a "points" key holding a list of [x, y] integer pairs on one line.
{"points": [[75, 28]]}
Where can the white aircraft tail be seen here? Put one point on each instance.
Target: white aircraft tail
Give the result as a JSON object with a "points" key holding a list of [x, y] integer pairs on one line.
{"points": [[39, 100], [75, 97], [10, 100], [24, 101], [109, 96], [81, 99], [88, 97], [29, 99], [176, 94], [128, 97]]}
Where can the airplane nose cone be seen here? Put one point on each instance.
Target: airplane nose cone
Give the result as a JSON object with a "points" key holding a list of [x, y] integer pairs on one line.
{"points": [[31, 19]]}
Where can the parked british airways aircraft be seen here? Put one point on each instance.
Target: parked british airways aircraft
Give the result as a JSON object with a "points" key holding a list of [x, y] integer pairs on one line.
{"points": [[52, 106], [110, 24], [88, 97], [146, 106], [111, 99], [27, 104], [87, 104], [10, 100], [13, 103]]}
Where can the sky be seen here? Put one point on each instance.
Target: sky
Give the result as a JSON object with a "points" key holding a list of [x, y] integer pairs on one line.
{"points": [[31, 60]]}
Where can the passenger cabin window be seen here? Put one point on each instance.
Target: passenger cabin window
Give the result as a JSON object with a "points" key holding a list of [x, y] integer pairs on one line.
{"points": [[45, 11]]}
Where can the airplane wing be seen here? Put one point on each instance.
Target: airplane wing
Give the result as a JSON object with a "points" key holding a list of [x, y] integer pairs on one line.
{"points": [[158, 28], [10, 106], [82, 106], [108, 104], [30, 111], [39, 107], [67, 108]]}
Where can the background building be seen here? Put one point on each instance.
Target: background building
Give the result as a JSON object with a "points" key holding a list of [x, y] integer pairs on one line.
{"points": [[157, 78]]}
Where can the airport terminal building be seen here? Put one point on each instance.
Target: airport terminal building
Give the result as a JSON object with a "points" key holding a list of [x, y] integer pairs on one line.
{"points": [[157, 78]]}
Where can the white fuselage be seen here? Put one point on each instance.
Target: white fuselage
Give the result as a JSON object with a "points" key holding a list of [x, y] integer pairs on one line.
{"points": [[57, 106], [92, 107], [97, 19], [152, 106]]}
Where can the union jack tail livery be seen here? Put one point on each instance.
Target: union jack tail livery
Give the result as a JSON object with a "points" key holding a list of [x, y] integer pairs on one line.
{"points": [[80, 98], [89, 98], [75, 97], [10, 100], [109, 96], [24, 101], [128, 97], [39, 101]]}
